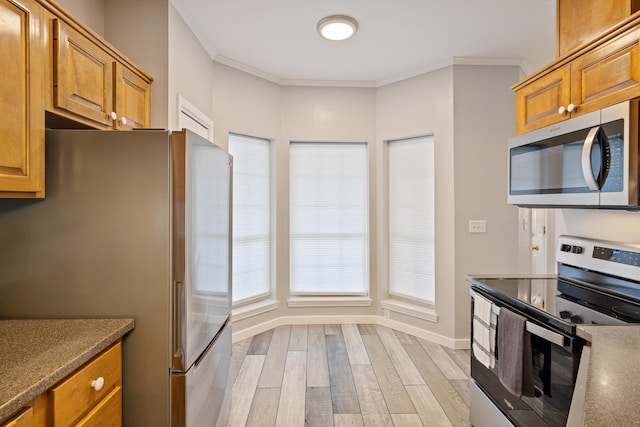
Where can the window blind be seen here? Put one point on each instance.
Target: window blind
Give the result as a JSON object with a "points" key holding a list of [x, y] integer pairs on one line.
{"points": [[251, 217], [329, 219], [411, 219]]}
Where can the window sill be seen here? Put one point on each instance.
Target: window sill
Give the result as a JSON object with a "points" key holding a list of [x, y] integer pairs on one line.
{"points": [[254, 309], [329, 302], [410, 309]]}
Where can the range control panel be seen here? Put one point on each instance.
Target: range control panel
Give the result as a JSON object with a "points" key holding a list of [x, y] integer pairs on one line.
{"points": [[618, 259], [617, 255]]}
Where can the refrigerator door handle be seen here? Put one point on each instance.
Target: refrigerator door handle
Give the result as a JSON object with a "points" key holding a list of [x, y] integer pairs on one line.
{"points": [[178, 302]]}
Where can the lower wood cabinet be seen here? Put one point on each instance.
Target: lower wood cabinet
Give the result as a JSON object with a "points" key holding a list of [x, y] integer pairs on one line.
{"points": [[91, 396], [88, 388], [24, 418]]}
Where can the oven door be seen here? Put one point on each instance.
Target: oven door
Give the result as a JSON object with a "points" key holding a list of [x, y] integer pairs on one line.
{"points": [[555, 359]]}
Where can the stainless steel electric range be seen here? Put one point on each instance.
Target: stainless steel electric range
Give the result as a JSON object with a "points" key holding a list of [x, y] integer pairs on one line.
{"points": [[598, 282]]}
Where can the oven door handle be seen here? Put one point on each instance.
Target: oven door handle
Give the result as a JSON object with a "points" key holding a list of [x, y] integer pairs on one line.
{"points": [[545, 334], [532, 328]]}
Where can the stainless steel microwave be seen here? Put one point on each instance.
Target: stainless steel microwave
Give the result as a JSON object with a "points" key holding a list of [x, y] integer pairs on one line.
{"points": [[586, 161]]}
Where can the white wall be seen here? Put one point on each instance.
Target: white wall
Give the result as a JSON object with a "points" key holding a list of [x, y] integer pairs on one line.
{"points": [[89, 12], [484, 120], [620, 226], [190, 70], [420, 106], [139, 29], [244, 104], [470, 111]]}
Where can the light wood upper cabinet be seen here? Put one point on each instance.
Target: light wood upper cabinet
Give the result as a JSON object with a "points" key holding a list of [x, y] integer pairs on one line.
{"points": [[604, 73], [21, 100], [608, 74], [133, 99], [82, 76], [93, 87], [579, 23], [58, 73], [537, 103]]}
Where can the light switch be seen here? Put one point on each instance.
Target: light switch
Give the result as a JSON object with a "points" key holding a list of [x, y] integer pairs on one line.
{"points": [[477, 226]]}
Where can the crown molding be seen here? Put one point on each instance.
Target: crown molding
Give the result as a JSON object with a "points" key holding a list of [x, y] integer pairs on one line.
{"points": [[186, 15]]}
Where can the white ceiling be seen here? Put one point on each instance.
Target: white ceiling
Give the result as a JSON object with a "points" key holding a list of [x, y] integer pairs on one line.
{"points": [[278, 40]]}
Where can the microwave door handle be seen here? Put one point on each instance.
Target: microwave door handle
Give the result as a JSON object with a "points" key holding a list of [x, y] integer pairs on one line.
{"points": [[587, 172]]}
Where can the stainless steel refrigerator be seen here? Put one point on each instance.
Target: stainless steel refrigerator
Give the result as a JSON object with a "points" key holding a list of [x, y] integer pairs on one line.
{"points": [[134, 224]]}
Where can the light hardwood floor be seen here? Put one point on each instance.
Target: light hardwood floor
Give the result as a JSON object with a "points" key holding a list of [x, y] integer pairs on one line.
{"points": [[347, 375]]}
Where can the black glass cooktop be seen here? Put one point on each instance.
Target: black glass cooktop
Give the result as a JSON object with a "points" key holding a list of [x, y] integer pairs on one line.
{"points": [[532, 297], [575, 297]]}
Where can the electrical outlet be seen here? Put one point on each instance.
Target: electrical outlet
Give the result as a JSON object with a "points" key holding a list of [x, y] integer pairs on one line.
{"points": [[477, 226]]}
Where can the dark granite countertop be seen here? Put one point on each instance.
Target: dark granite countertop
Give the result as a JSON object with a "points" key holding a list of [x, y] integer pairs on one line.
{"points": [[37, 354]]}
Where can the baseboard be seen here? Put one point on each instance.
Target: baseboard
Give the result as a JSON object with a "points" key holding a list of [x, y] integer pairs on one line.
{"points": [[456, 344]]}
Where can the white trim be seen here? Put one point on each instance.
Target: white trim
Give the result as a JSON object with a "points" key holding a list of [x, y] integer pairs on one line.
{"points": [[456, 344], [289, 82], [329, 302], [187, 17], [456, 60], [365, 83], [410, 309], [187, 109], [254, 309], [302, 320]]}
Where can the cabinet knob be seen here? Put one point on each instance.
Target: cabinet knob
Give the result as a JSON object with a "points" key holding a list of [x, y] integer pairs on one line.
{"points": [[113, 115], [97, 384], [568, 109], [123, 120]]}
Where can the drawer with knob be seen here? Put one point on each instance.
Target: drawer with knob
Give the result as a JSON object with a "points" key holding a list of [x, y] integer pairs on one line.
{"points": [[98, 380]]}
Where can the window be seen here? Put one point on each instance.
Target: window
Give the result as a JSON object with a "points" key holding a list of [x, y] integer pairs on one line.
{"points": [[411, 219], [329, 219], [251, 217]]}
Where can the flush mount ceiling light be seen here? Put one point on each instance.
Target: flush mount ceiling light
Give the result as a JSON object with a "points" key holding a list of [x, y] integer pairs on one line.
{"points": [[337, 27]]}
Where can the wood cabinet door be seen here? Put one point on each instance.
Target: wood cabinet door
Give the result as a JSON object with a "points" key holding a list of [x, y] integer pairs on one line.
{"points": [[82, 76], [21, 100], [22, 419], [75, 396], [537, 103], [132, 98], [579, 23], [106, 413], [607, 75]]}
